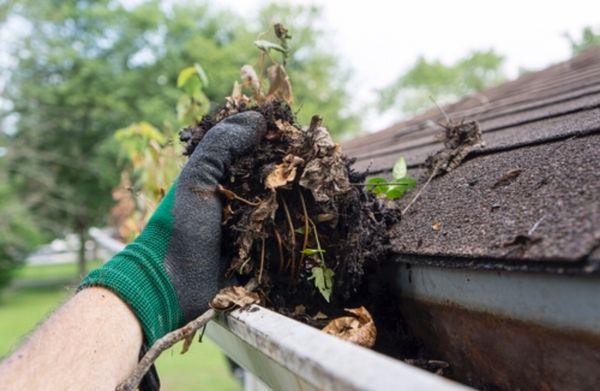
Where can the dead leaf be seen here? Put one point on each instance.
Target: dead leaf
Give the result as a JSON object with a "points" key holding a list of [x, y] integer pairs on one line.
{"points": [[279, 83], [248, 75], [320, 316], [436, 225], [359, 329], [283, 173], [326, 178], [236, 99], [459, 141], [234, 296], [254, 224], [507, 178], [299, 310]]}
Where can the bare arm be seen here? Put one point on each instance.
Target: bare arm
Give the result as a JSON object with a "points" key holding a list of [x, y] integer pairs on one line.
{"points": [[92, 342]]}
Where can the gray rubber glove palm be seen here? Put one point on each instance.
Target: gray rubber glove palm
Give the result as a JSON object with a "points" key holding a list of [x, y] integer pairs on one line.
{"points": [[172, 270]]}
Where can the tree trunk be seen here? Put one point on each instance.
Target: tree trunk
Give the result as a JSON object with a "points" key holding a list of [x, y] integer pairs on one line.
{"points": [[81, 255]]}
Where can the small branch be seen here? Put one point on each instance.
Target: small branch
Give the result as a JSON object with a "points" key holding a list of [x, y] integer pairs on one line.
{"points": [[167, 341], [418, 193], [164, 343]]}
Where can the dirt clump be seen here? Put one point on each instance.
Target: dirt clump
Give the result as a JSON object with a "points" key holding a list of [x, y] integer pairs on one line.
{"points": [[293, 217]]}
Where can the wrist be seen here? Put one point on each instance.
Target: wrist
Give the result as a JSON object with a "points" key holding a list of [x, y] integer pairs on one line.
{"points": [[138, 276]]}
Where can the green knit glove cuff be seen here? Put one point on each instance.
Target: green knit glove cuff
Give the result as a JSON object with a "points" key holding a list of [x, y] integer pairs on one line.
{"points": [[138, 276]]}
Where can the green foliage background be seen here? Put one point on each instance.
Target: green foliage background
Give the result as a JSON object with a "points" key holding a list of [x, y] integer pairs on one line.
{"points": [[86, 68], [411, 93]]}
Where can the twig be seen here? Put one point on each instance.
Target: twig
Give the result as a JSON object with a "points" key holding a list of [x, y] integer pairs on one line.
{"points": [[419, 193], [441, 110], [292, 234], [280, 248], [167, 341], [306, 228], [262, 260], [375, 184], [164, 343]]}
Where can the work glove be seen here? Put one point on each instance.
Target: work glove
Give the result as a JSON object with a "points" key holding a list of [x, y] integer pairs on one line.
{"points": [[171, 271]]}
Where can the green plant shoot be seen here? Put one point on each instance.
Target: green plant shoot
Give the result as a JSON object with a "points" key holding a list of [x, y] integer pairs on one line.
{"points": [[397, 187], [193, 104]]}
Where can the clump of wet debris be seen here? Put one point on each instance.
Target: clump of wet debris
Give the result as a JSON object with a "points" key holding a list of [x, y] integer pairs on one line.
{"points": [[292, 217], [300, 221]]}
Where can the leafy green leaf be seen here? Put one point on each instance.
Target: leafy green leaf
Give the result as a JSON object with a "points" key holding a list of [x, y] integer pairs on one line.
{"points": [[268, 45], [395, 192], [399, 170], [313, 251], [400, 187], [201, 74], [375, 185], [323, 280], [185, 75]]}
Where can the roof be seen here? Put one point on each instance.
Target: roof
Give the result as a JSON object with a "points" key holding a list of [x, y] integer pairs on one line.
{"points": [[529, 199]]}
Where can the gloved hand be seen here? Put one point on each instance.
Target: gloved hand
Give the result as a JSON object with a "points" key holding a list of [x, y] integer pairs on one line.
{"points": [[171, 271]]}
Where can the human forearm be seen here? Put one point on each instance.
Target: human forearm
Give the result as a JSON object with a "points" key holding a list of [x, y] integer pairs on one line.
{"points": [[91, 342]]}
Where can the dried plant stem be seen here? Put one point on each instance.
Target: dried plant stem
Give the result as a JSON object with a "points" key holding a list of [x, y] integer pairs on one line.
{"points": [[164, 343], [230, 194], [292, 234], [306, 228], [418, 193], [167, 341], [262, 260], [279, 248]]}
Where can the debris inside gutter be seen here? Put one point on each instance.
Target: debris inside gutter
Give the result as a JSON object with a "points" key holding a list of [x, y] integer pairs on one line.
{"points": [[299, 220]]}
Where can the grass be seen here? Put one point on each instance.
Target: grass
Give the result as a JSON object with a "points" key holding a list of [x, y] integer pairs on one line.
{"points": [[61, 271], [203, 367]]}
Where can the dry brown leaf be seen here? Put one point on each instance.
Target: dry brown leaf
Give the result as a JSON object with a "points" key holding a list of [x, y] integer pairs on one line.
{"points": [[236, 99], [234, 296], [279, 83], [359, 329], [326, 178], [248, 75], [320, 316], [300, 309], [283, 173], [254, 224]]}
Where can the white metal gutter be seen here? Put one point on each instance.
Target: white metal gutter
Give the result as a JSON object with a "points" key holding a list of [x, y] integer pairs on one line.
{"points": [[288, 355], [558, 301]]}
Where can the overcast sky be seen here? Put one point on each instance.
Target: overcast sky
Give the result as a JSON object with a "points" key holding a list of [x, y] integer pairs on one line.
{"points": [[379, 39]]}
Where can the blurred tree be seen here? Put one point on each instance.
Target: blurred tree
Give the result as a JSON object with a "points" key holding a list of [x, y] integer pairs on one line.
{"points": [[590, 37], [86, 68], [19, 233], [411, 92]]}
